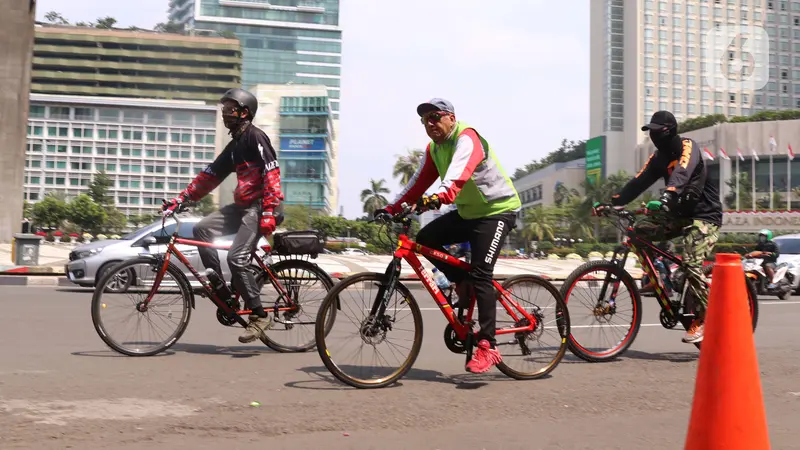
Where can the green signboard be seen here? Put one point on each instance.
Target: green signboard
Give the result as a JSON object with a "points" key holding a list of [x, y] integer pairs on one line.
{"points": [[595, 159]]}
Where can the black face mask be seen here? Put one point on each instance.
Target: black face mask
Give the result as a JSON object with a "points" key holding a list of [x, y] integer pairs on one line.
{"points": [[662, 138], [762, 239]]}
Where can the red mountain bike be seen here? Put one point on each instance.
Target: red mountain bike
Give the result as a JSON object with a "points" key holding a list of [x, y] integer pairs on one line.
{"points": [[161, 296], [379, 316], [605, 300]]}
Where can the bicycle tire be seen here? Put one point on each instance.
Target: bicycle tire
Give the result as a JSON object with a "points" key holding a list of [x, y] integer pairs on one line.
{"points": [[560, 304], [752, 298], [574, 346], [97, 303], [321, 275], [332, 299]]}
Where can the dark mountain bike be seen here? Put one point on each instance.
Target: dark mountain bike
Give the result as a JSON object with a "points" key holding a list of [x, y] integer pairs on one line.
{"points": [[599, 286]]}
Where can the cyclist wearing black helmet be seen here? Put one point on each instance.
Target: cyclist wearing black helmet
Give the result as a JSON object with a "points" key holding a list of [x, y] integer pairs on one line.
{"points": [[257, 199]]}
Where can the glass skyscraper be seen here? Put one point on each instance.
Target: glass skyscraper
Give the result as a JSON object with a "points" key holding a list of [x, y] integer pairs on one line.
{"points": [[283, 41]]}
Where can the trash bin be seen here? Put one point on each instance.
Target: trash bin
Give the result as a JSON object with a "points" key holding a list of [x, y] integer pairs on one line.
{"points": [[26, 249]]}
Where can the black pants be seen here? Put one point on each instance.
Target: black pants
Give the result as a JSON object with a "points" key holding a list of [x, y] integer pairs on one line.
{"points": [[486, 237], [244, 222]]}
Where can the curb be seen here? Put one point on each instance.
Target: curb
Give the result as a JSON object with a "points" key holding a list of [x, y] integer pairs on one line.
{"points": [[17, 280]]}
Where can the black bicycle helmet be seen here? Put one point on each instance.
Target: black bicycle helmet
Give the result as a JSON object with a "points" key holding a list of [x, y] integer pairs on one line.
{"points": [[243, 98]]}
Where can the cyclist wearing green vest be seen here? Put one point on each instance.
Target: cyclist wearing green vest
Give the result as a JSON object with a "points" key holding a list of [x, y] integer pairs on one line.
{"points": [[486, 209]]}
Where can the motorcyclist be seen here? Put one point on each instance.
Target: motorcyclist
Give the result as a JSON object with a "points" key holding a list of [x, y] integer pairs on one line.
{"points": [[256, 207], [688, 207], [767, 250]]}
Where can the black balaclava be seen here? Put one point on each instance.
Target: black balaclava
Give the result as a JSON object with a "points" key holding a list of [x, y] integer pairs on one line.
{"points": [[667, 140]]}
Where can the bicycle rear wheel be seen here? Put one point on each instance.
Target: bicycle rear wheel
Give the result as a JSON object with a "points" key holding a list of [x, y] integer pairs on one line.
{"points": [[616, 316], [542, 300], [350, 303], [306, 285], [169, 309]]}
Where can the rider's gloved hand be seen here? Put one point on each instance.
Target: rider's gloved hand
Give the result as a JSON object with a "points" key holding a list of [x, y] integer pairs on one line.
{"points": [[665, 203], [168, 208], [600, 209], [383, 215], [428, 202], [267, 224]]}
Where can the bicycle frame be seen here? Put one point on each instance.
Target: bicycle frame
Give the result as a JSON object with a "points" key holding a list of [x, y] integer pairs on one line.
{"points": [[645, 251], [236, 314], [406, 250]]}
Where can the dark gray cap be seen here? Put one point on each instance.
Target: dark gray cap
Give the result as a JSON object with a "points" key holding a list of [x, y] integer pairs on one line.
{"points": [[435, 104], [661, 119]]}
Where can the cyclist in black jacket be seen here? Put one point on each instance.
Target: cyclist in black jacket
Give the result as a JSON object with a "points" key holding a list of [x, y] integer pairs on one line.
{"points": [[691, 204]]}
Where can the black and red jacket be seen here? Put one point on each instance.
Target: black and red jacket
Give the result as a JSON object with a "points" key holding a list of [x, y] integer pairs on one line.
{"points": [[251, 155]]}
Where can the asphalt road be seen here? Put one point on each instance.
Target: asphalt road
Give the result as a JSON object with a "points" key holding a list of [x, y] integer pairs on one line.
{"points": [[60, 387]]}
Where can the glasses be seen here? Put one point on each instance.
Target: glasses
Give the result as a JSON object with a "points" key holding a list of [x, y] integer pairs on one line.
{"points": [[229, 110], [434, 117]]}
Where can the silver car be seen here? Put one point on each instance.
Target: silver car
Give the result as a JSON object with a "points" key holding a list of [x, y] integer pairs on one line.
{"points": [[88, 262]]}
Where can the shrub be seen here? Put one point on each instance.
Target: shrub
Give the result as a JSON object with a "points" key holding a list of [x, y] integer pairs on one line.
{"points": [[49, 237], [66, 239]]}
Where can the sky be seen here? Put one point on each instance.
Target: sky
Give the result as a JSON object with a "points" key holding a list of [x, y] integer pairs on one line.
{"points": [[518, 73]]}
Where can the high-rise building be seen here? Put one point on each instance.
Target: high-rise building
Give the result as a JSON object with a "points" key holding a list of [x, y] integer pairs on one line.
{"points": [[71, 60], [648, 55], [283, 41], [151, 149]]}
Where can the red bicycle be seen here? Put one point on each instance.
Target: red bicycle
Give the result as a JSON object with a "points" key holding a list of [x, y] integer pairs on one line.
{"points": [[381, 314], [160, 295]]}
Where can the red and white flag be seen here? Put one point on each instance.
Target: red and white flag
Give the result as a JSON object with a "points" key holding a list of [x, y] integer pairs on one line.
{"points": [[790, 152], [708, 154], [739, 153], [755, 155], [772, 144], [723, 154]]}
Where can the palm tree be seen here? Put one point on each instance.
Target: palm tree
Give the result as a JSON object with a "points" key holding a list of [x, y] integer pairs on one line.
{"points": [[538, 223], [405, 166], [372, 197]]}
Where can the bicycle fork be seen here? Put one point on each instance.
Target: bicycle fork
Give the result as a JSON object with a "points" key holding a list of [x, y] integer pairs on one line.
{"points": [[377, 316]]}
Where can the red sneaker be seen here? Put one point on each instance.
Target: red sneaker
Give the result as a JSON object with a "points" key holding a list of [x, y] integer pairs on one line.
{"points": [[484, 358]]}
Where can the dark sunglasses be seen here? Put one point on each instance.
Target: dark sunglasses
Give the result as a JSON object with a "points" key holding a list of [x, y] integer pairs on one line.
{"points": [[433, 117]]}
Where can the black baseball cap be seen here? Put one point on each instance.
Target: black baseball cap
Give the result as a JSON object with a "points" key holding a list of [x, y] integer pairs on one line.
{"points": [[435, 104], [660, 120]]}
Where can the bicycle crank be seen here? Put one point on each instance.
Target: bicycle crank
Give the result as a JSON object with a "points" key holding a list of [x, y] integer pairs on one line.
{"points": [[451, 340]]}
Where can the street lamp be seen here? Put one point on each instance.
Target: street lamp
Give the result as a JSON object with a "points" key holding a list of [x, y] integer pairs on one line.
{"points": [[348, 237]]}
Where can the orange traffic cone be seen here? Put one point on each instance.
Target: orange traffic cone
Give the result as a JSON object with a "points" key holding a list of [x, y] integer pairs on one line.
{"points": [[728, 411]]}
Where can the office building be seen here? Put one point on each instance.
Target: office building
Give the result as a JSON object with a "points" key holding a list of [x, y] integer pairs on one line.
{"points": [[16, 41], [648, 55], [539, 187], [283, 41], [70, 60], [150, 148]]}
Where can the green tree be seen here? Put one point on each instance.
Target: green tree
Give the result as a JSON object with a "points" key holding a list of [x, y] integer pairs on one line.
{"points": [[27, 209], [296, 217], [205, 206], [106, 23], [226, 34], [115, 221], [745, 192], [373, 198], [406, 165], [538, 224], [56, 18], [169, 27], [136, 219], [98, 189], [50, 211], [87, 214]]}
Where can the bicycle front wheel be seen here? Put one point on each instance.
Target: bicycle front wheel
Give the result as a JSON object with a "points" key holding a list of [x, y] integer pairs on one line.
{"points": [[299, 288], [354, 331], [156, 325], [533, 354], [605, 310]]}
